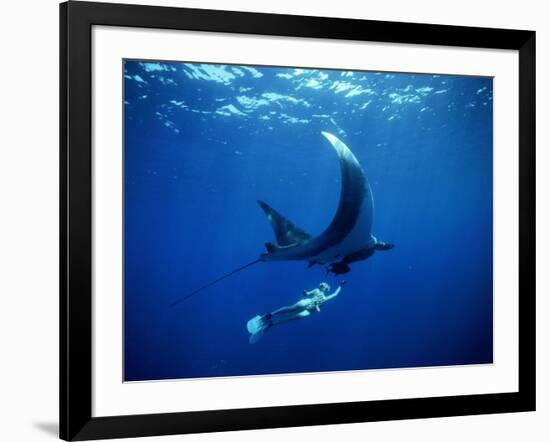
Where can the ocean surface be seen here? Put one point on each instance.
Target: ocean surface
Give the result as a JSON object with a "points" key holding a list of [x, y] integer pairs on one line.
{"points": [[204, 142]]}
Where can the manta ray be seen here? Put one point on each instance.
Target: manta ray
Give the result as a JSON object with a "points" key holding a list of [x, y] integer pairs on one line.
{"points": [[347, 239]]}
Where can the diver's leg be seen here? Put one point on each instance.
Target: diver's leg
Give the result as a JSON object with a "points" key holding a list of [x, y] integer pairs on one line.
{"points": [[299, 306], [300, 315]]}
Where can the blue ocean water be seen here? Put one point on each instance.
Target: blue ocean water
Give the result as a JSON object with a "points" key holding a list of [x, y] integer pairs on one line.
{"points": [[204, 142]]}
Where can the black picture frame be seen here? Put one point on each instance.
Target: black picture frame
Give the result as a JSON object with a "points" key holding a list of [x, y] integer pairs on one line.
{"points": [[76, 21]]}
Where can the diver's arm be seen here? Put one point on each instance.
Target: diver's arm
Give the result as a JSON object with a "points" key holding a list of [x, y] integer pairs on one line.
{"points": [[310, 292], [335, 294]]}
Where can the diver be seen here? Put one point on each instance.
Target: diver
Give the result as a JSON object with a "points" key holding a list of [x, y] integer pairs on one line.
{"points": [[311, 303]]}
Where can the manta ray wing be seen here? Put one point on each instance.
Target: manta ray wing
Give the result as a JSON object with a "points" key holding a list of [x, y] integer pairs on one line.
{"points": [[286, 232]]}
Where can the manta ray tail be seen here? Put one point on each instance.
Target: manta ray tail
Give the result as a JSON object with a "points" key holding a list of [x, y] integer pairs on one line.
{"points": [[210, 284], [286, 232]]}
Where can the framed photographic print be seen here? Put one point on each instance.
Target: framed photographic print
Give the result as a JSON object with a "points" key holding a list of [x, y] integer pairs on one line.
{"points": [[272, 220]]}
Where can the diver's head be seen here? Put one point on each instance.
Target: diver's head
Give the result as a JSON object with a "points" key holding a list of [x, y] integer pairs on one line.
{"points": [[324, 287]]}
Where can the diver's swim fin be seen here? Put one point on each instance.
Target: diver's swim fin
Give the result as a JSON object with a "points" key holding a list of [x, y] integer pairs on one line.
{"points": [[256, 327]]}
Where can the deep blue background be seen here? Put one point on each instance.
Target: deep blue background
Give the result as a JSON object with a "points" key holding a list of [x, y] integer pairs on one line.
{"points": [[204, 142]]}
